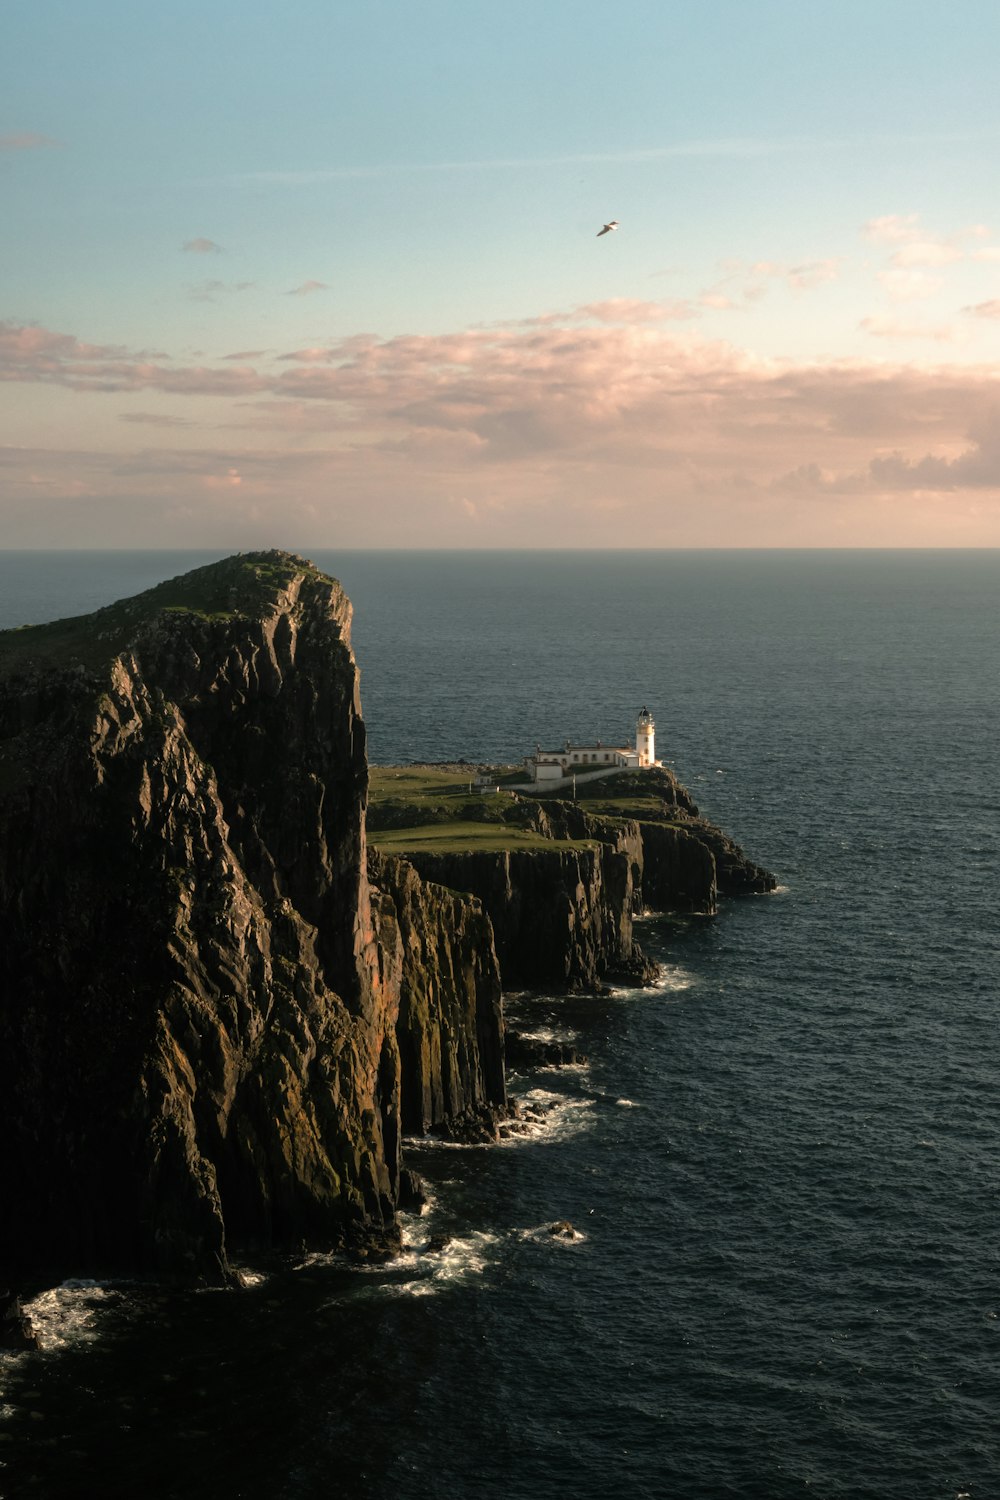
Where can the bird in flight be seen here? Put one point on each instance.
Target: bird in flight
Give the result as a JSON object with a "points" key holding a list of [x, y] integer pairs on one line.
{"points": [[608, 228]]}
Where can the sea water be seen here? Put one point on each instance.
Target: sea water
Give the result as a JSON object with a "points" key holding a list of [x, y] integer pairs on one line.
{"points": [[780, 1163]]}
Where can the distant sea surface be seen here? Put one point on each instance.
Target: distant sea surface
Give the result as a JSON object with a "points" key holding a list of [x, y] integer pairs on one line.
{"points": [[783, 1162]]}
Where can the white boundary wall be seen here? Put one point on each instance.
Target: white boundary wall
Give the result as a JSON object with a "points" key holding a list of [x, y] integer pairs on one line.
{"points": [[556, 785]]}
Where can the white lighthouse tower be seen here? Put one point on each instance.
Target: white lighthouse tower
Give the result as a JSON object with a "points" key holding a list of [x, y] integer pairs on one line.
{"points": [[645, 738]]}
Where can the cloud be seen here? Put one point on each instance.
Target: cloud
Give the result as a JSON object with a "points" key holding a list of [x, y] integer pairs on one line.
{"points": [[735, 146], [891, 228], [976, 467], [26, 140], [909, 285], [538, 426], [212, 290], [154, 419], [984, 309], [916, 249], [307, 288], [202, 246], [743, 283], [631, 311], [890, 328], [927, 253]]}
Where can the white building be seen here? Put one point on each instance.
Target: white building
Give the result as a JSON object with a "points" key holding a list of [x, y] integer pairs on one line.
{"points": [[554, 765]]}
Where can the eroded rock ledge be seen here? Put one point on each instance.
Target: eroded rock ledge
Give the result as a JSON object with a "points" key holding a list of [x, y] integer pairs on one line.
{"points": [[219, 1016]]}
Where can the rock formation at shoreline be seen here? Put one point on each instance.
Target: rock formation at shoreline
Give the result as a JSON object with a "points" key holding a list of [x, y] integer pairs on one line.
{"points": [[443, 970], [220, 1011]]}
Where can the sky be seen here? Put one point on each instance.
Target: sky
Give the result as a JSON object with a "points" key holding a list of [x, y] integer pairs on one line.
{"points": [[313, 274]]}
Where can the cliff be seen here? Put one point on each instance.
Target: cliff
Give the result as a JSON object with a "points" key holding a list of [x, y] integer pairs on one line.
{"points": [[444, 969], [562, 917], [219, 1010], [198, 1032], [568, 878]]}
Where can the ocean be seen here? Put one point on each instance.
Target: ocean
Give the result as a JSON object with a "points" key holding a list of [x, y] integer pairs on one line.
{"points": [[781, 1162]]}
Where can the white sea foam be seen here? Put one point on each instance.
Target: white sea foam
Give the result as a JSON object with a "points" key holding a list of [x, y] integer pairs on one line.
{"points": [[251, 1278], [672, 979], [436, 1143], [427, 1272], [542, 1235], [546, 1034], [67, 1314], [547, 1116], [627, 1104]]}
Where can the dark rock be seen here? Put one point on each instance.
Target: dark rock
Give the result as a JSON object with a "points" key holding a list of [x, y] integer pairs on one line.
{"points": [[412, 1196], [437, 958], [562, 1229], [16, 1328], [533, 1052], [437, 1243]]}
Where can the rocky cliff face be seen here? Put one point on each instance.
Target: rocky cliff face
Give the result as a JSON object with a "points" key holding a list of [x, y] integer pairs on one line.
{"points": [[443, 967], [197, 1040], [562, 917]]}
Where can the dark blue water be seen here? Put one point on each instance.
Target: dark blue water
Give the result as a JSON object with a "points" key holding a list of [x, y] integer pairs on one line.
{"points": [[783, 1163]]}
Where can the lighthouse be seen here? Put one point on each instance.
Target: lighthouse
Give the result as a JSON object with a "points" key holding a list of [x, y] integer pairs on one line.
{"points": [[645, 737]]}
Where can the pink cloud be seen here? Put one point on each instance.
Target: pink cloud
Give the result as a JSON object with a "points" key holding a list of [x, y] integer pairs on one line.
{"points": [[307, 288], [909, 285], [211, 290], [891, 328], [742, 284], [629, 310], [538, 424], [927, 253], [25, 140], [985, 309], [201, 246], [891, 228]]}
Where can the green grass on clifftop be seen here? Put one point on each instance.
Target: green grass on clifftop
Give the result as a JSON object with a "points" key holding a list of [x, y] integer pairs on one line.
{"points": [[465, 838], [421, 809], [245, 585]]}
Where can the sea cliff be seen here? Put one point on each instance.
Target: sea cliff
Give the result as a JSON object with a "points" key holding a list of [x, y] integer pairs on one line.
{"points": [[220, 1010]]}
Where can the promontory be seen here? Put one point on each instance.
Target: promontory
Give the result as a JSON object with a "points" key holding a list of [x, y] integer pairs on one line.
{"points": [[227, 992]]}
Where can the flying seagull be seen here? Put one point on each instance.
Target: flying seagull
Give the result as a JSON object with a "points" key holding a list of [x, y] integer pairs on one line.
{"points": [[608, 228]]}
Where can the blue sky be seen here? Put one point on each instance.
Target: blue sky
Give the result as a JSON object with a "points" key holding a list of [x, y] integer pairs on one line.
{"points": [[806, 198]]}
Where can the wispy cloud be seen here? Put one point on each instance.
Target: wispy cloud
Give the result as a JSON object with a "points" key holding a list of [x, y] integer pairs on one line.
{"points": [[212, 290], [729, 147], [202, 246], [747, 282], [154, 419], [26, 140], [984, 309], [307, 288], [892, 328]]}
